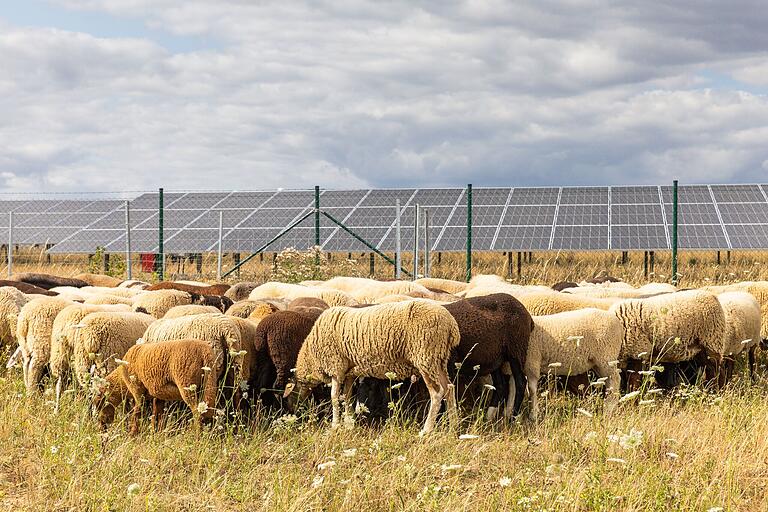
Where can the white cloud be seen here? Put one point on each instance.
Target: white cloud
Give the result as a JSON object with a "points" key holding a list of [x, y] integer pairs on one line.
{"points": [[349, 94]]}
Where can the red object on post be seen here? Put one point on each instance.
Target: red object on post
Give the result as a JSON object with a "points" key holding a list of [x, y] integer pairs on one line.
{"points": [[147, 262]]}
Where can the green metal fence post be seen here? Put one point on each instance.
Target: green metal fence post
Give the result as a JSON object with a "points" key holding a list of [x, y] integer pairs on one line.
{"points": [[160, 263], [674, 233], [469, 232], [317, 224]]}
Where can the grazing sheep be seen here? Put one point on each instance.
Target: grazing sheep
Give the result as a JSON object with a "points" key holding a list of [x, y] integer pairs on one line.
{"points": [[126, 293], [11, 302], [550, 303], [218, 301], [215, 289], [240, 291], [273, 290], [171, 371], [244, 308], [671, 328], [108, 299], [101, 337], [742, 329], [99, 280], [158, 303], [563, 285], [759, 290], [188, 310], [219, 330], [278, 339], [26, 288], [607, 292], [33, 332], [308, 302], [446, 285], [47, 281], [403, 338], [573, 343], [368, 290], [63, 334], [494, 330]]}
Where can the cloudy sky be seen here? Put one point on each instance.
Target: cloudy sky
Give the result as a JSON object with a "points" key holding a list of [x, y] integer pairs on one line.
{"points": [[116, 95]]}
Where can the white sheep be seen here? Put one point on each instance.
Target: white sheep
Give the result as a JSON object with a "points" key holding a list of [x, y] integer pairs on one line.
{"points": [[11, 302], [572, 343], [446, 285], [550, 303], [103, 336], [158, 302], [33, 333], [63, 336], [189, 310], [107, 299], [273, 290], [403, 338], [758, 289], [742, 328], [671, 328]]}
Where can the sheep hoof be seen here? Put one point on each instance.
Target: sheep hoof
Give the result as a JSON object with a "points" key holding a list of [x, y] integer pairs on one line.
{"points": [[492, 413]]}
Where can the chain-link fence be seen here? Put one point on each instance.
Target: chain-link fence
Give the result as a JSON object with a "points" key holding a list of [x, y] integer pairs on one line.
{"points": [[528, 234]]}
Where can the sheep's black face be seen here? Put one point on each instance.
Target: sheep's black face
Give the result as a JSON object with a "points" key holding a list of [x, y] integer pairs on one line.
{"points": [[764, 344]]}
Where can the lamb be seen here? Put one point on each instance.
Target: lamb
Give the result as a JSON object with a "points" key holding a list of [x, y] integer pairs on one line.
{"points": [[62, 339], [47, 281], [103, 336], [215, 289], [742, 331], [188, 310], [273, 290], [573, 343], [671, 328], [240, 291], [494, 330], [404, 338], [220, 331], [11, 302], [26, 288], [99, 280], [170, 371], [550, 303], [158, 303], [33, 332]]}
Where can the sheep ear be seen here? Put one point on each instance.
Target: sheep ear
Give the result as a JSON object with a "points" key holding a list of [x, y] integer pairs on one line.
{"points": [[289, 389]]}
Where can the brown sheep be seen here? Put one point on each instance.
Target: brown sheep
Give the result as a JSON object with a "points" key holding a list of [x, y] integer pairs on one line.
{"points": [[48, 281], [169, 371], [99, 280], [245, 308], [564, 285], [215, 289], [26, 288]]}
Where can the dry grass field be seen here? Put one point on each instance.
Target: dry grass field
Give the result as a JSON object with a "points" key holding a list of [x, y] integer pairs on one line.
{"points": [[692, 450]]}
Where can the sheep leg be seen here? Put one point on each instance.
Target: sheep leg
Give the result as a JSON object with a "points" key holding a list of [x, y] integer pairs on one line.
{"points": [[349, 380], [335, 392], [436, 398], [158, 407], [751, 359], [59, 385], [612, 384], [34, 375], [449, 389], [533, 385], [516, 390]]}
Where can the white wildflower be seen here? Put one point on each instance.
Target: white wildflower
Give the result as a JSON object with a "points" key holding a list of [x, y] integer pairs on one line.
{"points": [[489, 386], [326, 465], [672, 455], [590, 436], [401, 458], [244, 386], [629, 396], [642, 354], [361, 408], [715, 509], [554, 365], [646, 402], [616, 460], [468, 436], [654, 391], [191, 388], [318, 481], [133, 489], [476, 368], [350, 452], [646, 372], [396, 386], [744, 342], [206, 369], [121, 361], [505, 481], [54, 450], [632, 440], [450, 467], [457, 366], [391, 375], [202, 407], [584, 412]]}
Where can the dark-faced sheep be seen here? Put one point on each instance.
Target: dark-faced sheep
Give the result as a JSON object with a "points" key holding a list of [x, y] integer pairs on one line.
{"points": [[48, 281]]}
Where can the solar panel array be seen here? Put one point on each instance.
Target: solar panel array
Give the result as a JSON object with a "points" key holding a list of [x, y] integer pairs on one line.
{"points": [[504, 219]]}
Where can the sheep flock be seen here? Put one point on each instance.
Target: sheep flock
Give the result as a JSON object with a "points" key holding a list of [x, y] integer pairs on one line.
{"points": [[357, 349]]}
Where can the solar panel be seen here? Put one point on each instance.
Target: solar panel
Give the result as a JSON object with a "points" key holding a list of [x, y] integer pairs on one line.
{"points": [[750, 236], [642, 214], [534, 196], [639, 237], [531, 215], [576, 215], [701, 236], [578, 238], [701, 213], [635, 195], [584, 195], [523, 238], [744, 213], [490, 196]]}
